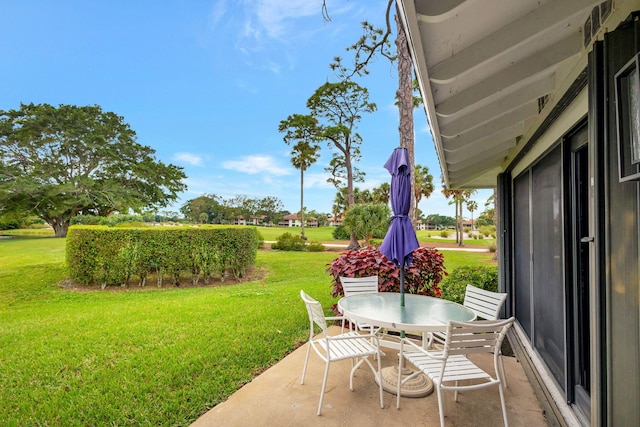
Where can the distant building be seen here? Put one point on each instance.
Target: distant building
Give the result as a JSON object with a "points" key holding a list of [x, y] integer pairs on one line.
{"points": [[335, 221], [293, 220]]}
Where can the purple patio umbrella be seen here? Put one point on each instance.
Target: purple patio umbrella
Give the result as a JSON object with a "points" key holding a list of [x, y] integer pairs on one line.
{"points": [[400, 241]]}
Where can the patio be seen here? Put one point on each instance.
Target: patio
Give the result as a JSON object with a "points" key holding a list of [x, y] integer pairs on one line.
{"points": [[277, 398]]}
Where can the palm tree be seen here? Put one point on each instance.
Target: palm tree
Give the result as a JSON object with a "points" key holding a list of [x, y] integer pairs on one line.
{"points": [[341, 205], [382, 193], [472, 205], [303, 129], [303, 155], [424, 183], [459, 197], [368, 220]]}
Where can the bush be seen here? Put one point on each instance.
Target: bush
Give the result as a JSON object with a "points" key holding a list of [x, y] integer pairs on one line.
{"points": [[492, 247], [340, 233], [444, 233], [422, 277], [481, 276], [488, 231], [314, 247], [85, 220], [375, 242], [288, 242], [113, 256], [10, 223]]}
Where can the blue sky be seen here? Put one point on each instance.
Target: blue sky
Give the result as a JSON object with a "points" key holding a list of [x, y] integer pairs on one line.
{"points": [[206, 83]]}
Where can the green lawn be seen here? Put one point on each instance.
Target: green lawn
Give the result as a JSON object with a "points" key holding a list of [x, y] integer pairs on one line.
{"points": [[324, 234], [147, 356]]}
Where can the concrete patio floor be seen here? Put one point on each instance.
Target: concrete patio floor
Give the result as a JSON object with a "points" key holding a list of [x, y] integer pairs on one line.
{"points": [[276, 398]]}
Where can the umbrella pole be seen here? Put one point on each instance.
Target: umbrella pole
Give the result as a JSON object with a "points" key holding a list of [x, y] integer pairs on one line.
{"points": [[402, 285]]}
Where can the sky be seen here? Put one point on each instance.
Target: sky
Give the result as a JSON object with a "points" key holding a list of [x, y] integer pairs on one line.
{"points": [[206, 84]]}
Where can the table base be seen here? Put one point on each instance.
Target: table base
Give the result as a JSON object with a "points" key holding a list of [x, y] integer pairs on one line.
{"points": [[418, 386]]}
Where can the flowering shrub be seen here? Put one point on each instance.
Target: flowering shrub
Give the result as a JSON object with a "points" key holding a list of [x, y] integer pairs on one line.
{"points": [[422, 277]]}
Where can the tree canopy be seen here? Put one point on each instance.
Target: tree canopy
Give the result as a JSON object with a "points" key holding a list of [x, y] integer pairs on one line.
{"points": [[58, 162], [338, 107], [213, 209]]}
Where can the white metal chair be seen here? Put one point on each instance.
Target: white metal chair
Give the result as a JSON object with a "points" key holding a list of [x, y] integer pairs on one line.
{"points": [[351, 345], [360, 285], [486, 305], [448, 367]]}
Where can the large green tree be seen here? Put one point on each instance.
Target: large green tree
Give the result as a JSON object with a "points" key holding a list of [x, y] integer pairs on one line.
{"points": [[271, 207], [58, 162], [338, 107], [375, 41], [207, 204], [301, 131]]}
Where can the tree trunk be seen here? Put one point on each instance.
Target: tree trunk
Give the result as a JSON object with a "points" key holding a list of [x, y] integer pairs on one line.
{"points": [[302, 204], [353, 239], [404, 95], [457, 223], [461, 227], [60, 227], [496, 221]]}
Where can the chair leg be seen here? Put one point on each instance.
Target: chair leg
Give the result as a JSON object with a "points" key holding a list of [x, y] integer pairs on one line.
{"points": [[504, 406], [440, 404], [399, 374], [503, 375], [324, 385], [354, 367], [379, 378], [455, 393], [306, 360]]}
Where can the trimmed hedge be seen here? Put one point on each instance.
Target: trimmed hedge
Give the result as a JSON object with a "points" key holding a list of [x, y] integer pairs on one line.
{"points": [[481, 276], [114, 256]]}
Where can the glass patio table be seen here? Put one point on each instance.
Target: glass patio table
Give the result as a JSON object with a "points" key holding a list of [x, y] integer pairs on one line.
{"points": [[420, 314]]}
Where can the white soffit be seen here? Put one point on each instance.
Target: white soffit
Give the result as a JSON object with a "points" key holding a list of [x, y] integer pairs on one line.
{"points": [[487, 69]]}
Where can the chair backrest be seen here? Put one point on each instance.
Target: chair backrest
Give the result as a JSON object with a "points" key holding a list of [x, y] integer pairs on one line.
{"points": [[480, 336], [359, 285], [314, 309], [485, 304]]}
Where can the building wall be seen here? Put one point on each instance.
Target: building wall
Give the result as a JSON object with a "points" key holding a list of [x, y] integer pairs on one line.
{"points": [[541, 272], [620, 240]]}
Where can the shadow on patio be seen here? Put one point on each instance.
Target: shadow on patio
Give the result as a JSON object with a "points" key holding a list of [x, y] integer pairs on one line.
{"points": [[276, 398]]}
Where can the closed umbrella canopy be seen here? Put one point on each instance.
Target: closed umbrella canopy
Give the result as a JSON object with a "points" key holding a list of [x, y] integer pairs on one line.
{"points": [[400, 241]]}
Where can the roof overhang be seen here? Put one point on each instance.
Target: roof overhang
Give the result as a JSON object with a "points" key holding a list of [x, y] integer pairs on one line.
{"points": [[490, 71]]}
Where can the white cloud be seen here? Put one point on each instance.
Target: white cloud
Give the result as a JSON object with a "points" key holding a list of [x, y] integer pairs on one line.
{"points": [[256, 164], [275, 15], [218, 12], [192, 159], [317, 180]]}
